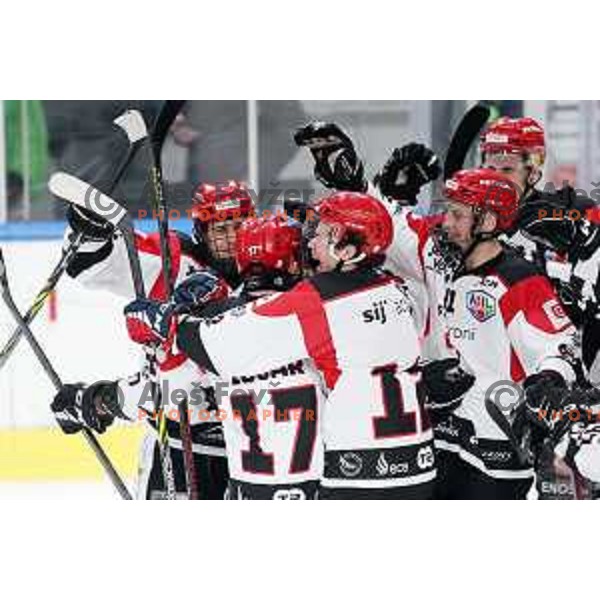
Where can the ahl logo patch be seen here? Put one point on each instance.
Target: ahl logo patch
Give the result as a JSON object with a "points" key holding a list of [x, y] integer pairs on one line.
{"points": [[481, 305]]}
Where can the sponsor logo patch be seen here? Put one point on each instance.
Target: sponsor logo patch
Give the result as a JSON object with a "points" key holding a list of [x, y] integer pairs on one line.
{"points": [[384, 468], [291, 494], [350, 464], [425, 458], [555, 313]]}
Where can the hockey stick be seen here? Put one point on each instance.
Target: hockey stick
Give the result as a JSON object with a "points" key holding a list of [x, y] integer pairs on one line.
{"points": [[465, 134], [132, 123], [160, 130], [159, 205], [56, 381], [78, 192]]}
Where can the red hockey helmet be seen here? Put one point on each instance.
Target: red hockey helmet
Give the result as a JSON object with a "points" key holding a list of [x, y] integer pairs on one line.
{"points": [[218, 202], [485, 190], [514, 136], [273, 242], [360, 214]]}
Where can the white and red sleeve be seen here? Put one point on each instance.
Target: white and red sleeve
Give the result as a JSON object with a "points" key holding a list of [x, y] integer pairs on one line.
{"points": [[538, 328]]}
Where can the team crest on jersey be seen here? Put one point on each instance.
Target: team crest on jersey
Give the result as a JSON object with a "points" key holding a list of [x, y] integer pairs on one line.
{"points": [[481, 305]]}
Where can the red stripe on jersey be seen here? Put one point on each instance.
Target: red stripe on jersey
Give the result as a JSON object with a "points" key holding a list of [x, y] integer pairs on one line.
{"points": [[422, 227], [150, 244], [147, 244], [517, 372], [427, 328], [158, 291], [534, 297], [172, 361], [305, 302]]}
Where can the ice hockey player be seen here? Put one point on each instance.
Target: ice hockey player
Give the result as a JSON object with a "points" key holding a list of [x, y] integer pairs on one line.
{"points": [[102, 263], [507, 325], [558, 229], [274, 444], [217, 212], [346, 321]]}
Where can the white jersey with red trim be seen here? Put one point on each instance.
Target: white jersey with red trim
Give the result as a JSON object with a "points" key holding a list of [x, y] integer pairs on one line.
{"points": [[506, 323], [105, 266], [357, 331], [501, 334], [415, 257], [270, 399]]}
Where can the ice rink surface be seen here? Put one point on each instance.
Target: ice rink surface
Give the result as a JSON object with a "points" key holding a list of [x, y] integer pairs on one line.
{"points": [[97, 490]]}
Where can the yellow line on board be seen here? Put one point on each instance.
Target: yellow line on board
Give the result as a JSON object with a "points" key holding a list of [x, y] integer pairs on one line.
{"points": [[45, 453]]}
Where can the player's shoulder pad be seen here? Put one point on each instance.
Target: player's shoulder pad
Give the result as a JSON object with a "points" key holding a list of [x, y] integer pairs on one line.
{"points": [[334, 284], [512, 268]]}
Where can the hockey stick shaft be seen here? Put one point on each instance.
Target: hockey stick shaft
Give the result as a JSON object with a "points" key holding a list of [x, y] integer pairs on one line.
{"points": [[101, 455], [171, 107], [136, 133]]}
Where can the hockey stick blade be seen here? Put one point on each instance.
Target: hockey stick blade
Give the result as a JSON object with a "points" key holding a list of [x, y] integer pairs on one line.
{"points": [[466, 133], [75, 190], [133, 124]]}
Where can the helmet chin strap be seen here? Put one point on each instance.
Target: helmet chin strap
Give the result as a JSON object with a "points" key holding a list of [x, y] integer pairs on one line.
{"points": [[477, 237], [340, 264]]}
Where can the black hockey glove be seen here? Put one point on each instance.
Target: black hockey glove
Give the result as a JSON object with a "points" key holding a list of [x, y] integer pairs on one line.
{"points": [[93, 227], [538, 220], [407, 170], [64, 407], [533, 420], [445, 383], [95, 406], [337, 165], [544, 395]]}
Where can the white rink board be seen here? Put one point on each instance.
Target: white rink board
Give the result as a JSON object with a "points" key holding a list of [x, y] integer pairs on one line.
{"points": [[87, 342]]}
